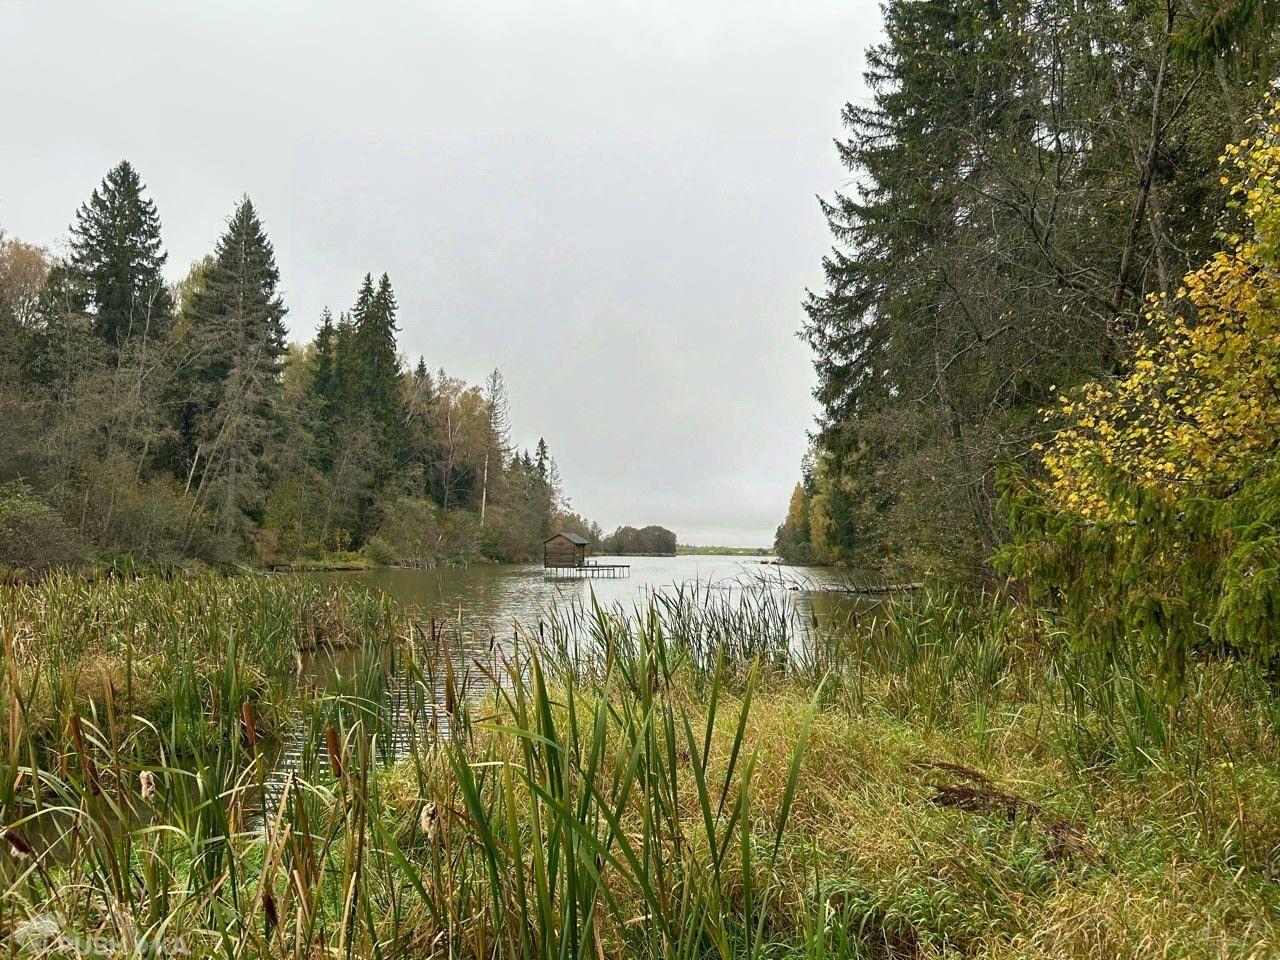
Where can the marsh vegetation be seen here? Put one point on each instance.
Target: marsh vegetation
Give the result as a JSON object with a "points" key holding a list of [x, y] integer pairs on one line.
{"points": [[686, 778]]}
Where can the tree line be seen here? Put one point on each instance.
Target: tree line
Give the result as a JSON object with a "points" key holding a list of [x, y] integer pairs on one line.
{"points": [[1026, 173], [174, 421], [631, 541]]}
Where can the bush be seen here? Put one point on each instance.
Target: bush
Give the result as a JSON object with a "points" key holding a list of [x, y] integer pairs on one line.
{"points": [[1156, 514], [32, 534], [410, 533], [380, 553]]}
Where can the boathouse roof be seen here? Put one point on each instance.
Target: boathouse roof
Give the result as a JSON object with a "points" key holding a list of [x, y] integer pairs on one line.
{"points": [[571, 537]]}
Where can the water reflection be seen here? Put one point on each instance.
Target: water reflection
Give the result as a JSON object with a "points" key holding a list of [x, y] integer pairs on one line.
{"points": [[475, 617], [483, 601]]}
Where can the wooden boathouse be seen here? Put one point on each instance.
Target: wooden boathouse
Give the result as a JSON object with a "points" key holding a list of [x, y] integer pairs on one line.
{"points": [[564, 555]]}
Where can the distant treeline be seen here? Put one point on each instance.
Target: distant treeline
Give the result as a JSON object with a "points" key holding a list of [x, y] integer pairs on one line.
{"points": [[175, 421], [1024, 176], [651, 540], [690, 550]]}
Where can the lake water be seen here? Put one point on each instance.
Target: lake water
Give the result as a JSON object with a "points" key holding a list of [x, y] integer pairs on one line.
{"points": [[477, 610], [487, 600]]}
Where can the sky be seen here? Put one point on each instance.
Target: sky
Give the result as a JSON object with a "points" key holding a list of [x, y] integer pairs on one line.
{"points": [[615, 204]]}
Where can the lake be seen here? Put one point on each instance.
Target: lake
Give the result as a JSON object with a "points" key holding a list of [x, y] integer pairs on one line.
{"points": [[478, 608], [487, 600]]}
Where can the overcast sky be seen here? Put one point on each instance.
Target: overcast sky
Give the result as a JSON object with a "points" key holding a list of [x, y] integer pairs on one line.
{"points": [[613, 203]]}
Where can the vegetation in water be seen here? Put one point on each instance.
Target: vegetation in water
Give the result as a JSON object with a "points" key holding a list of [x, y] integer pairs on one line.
{"points": [[698, 777]]}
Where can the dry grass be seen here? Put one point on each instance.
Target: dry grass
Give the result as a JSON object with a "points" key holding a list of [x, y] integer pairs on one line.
{"points": [[954, 782]]}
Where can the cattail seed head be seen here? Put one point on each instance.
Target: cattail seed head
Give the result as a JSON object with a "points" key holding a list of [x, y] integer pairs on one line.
{"points": [[250, 725], [18, 845], [272, 916], [147, 785], [334, 746], [429, 820]]}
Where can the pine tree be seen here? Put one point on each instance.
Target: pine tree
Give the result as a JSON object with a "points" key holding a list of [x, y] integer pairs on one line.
{"points": [[236, 323], [117, 256]]}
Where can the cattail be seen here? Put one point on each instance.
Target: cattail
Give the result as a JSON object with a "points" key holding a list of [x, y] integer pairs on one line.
{"points": [[448, 683], [429, 820], [18, 845], [269, 909], [250, 726], [147, 784], [335, 751], [86, 761]]}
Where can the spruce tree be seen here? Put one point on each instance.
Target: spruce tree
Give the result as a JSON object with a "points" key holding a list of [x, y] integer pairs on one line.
{"points": [[117, 256], [324, 378], [346, 376], [324, 388], [375, 361], [902, 331], [236, 322], [542, 458]]}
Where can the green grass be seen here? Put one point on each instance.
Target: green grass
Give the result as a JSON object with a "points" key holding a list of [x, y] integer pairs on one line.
{"points": [[704, 776]]}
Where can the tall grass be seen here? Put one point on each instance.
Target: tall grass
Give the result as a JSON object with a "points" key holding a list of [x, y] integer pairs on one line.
{"points": [[714, 773]]}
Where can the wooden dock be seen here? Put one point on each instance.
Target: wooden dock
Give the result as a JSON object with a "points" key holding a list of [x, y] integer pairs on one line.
{"points": [[589, 571]]}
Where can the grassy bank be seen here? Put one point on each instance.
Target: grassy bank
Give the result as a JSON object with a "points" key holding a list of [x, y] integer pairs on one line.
{"points": [[696, 779]]}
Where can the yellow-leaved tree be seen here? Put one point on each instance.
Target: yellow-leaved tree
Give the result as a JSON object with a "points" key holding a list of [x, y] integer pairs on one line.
{"points": [[1157, 512]]}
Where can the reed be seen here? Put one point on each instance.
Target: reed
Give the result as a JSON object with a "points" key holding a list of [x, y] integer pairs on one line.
{"points": [[711, 773]]}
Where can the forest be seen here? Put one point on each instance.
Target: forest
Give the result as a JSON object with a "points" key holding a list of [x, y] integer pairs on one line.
{"points": [[175, 422], [1032, 183]]}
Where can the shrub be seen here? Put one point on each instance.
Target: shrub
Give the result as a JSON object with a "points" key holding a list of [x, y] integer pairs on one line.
{"points": [[410, 533], [32, 534], [380, 553], [1157, 516]]}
